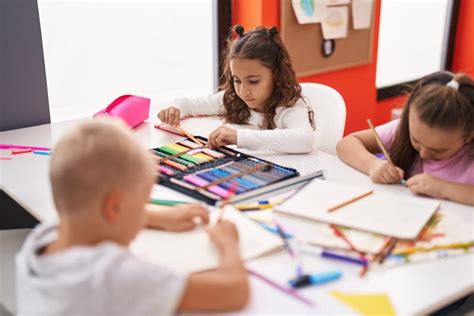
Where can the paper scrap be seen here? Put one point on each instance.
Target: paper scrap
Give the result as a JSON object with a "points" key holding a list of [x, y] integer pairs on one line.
{"points": [[367, 303], [361, 13]]}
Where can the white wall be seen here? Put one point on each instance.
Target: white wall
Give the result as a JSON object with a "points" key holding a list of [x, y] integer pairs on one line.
{"points": [[98, 50], [411, 40]]}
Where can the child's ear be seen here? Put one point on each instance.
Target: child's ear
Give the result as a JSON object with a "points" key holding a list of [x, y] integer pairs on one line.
{"points": [[111, 206]]}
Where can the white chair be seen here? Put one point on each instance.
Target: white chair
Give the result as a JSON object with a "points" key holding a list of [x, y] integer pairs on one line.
{"points": [[329, 112]]}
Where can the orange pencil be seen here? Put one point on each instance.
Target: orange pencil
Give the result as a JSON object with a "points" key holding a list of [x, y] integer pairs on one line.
{"points": [[189, 135], [356, 198]]}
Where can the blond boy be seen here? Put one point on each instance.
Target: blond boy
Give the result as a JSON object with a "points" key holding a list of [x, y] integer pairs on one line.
{"points": [[101, 178]]}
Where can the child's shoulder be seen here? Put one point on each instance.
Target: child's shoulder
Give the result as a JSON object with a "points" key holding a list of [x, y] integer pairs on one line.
{"points": [[299, 106], [102, 274]]}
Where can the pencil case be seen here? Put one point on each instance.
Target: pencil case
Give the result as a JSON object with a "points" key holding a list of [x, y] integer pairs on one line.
{"points": [[132, 109]]}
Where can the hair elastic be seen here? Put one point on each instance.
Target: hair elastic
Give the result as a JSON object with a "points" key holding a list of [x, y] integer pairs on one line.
{"points": [[453, 84]]}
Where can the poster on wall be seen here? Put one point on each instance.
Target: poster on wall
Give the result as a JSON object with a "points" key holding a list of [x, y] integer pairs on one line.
{"points": [[335, 22], [308, 11]]}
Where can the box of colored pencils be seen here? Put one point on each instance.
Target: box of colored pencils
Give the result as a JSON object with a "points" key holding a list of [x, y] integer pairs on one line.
{"points": [[213, 175]]}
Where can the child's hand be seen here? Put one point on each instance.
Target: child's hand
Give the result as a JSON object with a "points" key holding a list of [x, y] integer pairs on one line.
{"points": [[176, 218], [382, 171], [223, 234], [170, 116], [426, 184], [222, 136]]}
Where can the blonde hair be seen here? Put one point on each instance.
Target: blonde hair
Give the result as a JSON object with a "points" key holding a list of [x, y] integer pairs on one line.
{"points": [[93, 158]]}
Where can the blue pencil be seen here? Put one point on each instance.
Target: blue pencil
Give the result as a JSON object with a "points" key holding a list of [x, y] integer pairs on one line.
{"points": [[273, 230]]}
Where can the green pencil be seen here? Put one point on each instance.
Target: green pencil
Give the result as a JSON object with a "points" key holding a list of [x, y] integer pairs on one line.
{"points": [[166, 202]]}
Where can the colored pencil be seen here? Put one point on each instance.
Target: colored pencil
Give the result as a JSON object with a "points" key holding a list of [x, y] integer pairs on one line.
{"points": [[237, 175], [189, 135], [338, 232], [21, 151], [272, 229], [166, 202], [382, 148], [410, 251], [42, 152], [388, 249], [379, 142], [160, 127], [352, 200], [290, 291], [194, 188], [203, 185], [253, 207], [319, 251], [13, 146]]}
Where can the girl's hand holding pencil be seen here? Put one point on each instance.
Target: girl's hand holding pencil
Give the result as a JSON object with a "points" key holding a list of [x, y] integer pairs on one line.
{"points": [[384, 172]]}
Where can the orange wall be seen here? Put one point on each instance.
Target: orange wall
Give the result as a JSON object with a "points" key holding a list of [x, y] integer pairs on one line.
{"points": [[356, 84], [463, 60], [463, 57]]}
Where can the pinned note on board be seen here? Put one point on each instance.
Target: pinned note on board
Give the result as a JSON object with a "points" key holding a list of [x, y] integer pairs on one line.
{"points": [[334, 22], [361, 13], [308, 11]]}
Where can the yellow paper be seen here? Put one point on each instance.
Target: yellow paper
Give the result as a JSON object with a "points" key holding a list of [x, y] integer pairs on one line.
{"points": [[367, 304]]}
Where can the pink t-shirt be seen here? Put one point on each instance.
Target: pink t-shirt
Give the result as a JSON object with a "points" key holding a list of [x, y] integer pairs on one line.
{"points": [[458, 168]]}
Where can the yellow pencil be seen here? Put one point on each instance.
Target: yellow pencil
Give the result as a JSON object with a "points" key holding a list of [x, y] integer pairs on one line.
{"points": [[410, 251]]}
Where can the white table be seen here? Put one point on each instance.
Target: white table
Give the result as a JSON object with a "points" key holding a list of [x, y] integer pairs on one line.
{"points": [[414, 288]]}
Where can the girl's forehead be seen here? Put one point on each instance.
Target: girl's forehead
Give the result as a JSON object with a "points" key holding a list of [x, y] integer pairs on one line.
{"points": [[246, 66], [431, 136]]}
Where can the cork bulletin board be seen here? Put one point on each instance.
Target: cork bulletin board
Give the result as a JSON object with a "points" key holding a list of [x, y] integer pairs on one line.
{"points": [[304, 42]]}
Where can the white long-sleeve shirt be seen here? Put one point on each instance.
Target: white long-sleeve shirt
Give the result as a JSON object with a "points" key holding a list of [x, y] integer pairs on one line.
{"points": [[293, 133]]}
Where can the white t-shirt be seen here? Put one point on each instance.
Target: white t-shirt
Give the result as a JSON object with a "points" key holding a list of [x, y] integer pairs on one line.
{"points": [[105, 279], [293, 133]]}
